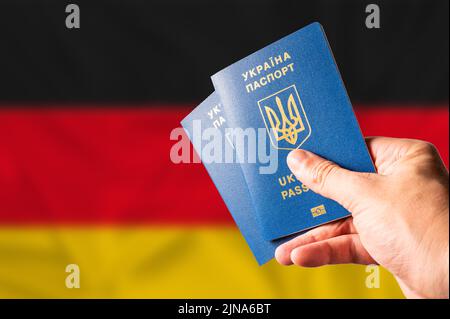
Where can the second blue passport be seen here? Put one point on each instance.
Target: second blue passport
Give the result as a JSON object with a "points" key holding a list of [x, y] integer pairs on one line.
{"points": [[292, 89]]}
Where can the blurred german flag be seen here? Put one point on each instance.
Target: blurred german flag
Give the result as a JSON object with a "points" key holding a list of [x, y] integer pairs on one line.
{"points": [[85, 119]]}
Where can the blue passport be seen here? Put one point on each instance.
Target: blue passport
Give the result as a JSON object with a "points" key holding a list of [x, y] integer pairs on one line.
{"points": [[228, 177], [292, 90]]}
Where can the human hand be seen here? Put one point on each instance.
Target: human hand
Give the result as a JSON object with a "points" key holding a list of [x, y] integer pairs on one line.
{"points": [[400, 215]]}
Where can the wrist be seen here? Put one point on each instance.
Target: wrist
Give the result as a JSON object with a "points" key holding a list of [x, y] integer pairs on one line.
{"points": [[436, 270]]}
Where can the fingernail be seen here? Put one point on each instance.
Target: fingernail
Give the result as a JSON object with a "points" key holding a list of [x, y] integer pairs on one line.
{"points": [[295, 157], [282, 256]]}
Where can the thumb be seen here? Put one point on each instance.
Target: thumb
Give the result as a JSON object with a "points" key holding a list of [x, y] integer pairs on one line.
{"points": [[330, 180]]}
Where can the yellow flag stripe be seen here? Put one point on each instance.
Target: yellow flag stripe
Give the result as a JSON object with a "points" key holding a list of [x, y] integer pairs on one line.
{"points": [[164, 262]]}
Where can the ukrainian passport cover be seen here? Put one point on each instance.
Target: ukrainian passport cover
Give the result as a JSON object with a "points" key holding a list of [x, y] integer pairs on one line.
{"points": [[292, 89]]}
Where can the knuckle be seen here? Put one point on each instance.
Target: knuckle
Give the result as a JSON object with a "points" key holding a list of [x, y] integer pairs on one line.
{"points": [[429, 148], [426, 148], [313, 238], [427, 156], [322, 171], [361, 177]]}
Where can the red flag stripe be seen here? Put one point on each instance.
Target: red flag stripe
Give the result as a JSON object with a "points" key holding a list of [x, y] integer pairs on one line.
{"points": [[111, 165]]}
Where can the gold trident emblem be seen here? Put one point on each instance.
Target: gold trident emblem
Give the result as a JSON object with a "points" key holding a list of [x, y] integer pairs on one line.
{"points": [[290, 127]]}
